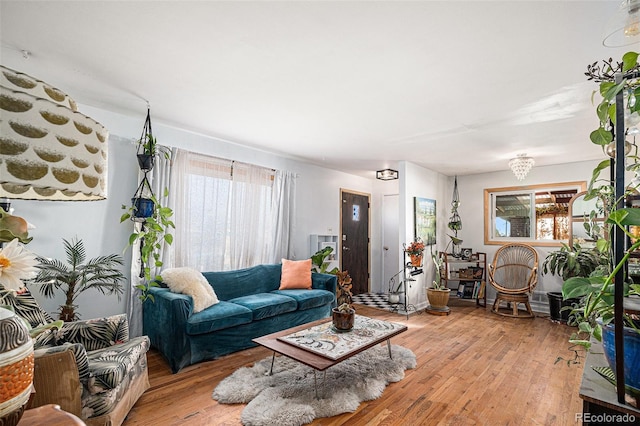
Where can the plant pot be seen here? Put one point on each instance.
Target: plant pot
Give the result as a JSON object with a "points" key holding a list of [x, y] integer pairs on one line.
{"points": [[343, 321], [631, 341], [146, 161], [393, 298], [438, 299], [142, 208], [16, 367], [556, 305], [416, 260]]}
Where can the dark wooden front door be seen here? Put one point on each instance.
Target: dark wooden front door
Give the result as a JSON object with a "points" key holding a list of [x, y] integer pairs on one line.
{"points": [[354, 226]]}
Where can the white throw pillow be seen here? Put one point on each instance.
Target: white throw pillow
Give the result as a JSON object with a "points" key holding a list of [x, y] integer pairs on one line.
{"points": [[192, 283]]}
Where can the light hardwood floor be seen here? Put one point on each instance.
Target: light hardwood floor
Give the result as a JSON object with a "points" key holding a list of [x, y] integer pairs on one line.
{"points": [[474, 368]]}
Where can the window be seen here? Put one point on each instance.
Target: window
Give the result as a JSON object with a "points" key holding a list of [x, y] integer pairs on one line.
{"points": [[536, 214], [227, 214]]}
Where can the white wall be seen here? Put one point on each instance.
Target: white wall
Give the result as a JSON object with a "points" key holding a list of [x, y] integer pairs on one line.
{"points": [[416, 181], [98, 224], [471, 189], [318, 206]]}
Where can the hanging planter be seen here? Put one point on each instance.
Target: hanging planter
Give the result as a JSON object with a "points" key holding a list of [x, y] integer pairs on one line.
{"points": [[142, 202], [146, 161], [142, 209]]}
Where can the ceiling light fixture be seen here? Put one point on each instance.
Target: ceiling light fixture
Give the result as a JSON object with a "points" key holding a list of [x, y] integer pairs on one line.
{"points": [[387, 174], [623, 29], [521, 165], [48, 150]]}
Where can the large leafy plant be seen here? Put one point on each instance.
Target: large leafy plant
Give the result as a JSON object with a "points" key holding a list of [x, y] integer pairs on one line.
{"points": [[101, 273], [573, 261]]}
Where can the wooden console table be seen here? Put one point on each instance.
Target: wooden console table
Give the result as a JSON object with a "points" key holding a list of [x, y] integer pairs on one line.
{"points": [[599, 397], [50, 415]]}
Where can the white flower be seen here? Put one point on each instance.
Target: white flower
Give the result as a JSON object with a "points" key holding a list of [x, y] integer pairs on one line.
{"points": [[16, 264]]}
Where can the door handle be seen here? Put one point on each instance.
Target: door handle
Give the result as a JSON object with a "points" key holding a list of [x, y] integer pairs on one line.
{"points": [[345, 248]]}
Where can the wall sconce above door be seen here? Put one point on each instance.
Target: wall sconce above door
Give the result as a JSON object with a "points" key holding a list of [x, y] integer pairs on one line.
{"points": [[387, 174]]}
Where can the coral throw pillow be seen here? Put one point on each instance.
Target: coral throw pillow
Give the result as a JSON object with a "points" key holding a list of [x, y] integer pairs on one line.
{"points": [[192, 283], [295, 274]]}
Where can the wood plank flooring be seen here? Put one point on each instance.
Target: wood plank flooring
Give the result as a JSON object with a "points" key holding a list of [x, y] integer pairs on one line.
{"points": [[474, 368]]}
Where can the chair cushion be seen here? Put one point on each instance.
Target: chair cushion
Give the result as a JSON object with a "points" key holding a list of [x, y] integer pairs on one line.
{"points": [[26, 307], [109, 366], [96, 333], [218, 317], [308, 299], [265, 305]]}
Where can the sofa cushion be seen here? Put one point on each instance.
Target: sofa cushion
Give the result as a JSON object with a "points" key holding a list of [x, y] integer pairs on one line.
{"points": [[192, 283], [265, 305], [108, 367], [308, 299], [295, 274], [217, 317]]}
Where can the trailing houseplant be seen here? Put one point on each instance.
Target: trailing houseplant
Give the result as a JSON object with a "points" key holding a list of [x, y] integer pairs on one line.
{"points": [[101, 273], [153, 233]]}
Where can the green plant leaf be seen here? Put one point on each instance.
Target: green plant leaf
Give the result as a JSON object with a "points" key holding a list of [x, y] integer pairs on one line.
{"points": [[629, 61], [601, 136], [612, 90]]}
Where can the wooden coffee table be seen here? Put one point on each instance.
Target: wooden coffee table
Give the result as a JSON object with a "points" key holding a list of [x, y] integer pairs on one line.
{"points": [[317, 361]]}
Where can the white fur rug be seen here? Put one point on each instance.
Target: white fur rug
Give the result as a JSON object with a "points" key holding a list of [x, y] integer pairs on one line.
{"points": [[288, 397]]}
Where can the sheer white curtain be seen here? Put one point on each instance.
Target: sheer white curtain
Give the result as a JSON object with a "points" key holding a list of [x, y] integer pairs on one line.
{"points": [[230, 215], [159, 178]]}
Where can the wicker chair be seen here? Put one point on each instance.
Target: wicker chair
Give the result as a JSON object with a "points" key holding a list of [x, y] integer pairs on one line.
{"points": [[514, 274]]}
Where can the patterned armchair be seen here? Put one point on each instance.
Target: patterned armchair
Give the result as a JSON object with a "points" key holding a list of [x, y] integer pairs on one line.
{"points": [[90, 368]]}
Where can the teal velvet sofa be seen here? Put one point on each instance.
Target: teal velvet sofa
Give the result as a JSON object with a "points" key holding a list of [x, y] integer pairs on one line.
{"points": [[251, 305]]}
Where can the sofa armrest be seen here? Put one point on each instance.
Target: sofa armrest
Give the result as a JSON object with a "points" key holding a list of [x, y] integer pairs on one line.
{"points": [[56, 380], [165, 322], [97, 333], [327, 282]]}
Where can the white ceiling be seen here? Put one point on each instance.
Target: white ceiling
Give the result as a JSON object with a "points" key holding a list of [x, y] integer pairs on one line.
{"points": [[458, 87]]}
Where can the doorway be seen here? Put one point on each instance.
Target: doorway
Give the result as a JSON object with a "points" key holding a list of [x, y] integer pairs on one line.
{"points": [[355, 238]]}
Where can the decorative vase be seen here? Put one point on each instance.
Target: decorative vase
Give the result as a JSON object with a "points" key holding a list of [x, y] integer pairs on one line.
{"points": [[631, 341], [438, 299], [16, 367], [416, 260], [343, 321], [394, 298]]}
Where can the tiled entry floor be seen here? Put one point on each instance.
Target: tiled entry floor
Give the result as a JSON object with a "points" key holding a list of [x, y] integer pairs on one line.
{"points": [[372, 299]]}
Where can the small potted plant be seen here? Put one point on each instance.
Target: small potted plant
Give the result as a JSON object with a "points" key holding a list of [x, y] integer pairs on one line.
{"points": [[344, 315], [415, 250]]}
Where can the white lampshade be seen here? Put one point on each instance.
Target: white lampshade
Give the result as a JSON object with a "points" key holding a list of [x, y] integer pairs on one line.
{"points": [[48, 150]]}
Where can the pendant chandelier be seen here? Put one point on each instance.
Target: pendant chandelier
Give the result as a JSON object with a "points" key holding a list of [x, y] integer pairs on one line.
{"points": [[521, 165]]}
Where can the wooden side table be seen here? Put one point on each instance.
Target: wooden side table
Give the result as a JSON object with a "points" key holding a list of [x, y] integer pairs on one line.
{"points": [[50, 415]]}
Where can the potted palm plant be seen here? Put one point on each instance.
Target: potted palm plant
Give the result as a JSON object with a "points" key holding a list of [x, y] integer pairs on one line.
{"points": [[101, 273]]}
